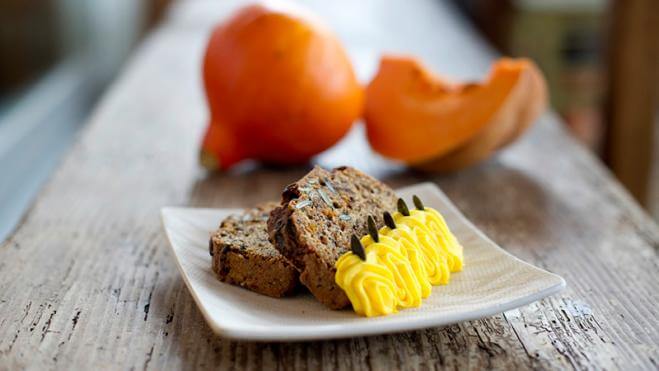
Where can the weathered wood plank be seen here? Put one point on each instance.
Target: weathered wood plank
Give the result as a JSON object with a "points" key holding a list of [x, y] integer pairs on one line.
{"points": [[87, 280]]}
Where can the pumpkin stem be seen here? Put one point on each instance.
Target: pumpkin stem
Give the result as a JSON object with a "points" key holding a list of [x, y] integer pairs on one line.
{"points": [[218, 150]]}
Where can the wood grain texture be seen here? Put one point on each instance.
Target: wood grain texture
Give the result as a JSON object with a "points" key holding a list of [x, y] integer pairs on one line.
{"points": [[87, 281]]}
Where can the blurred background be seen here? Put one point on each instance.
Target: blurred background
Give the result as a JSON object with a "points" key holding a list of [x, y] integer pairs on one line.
{"points": [[600, 59]]}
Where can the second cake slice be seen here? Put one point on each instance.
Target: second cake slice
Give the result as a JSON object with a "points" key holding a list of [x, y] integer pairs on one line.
{"points": [[318, 215]]}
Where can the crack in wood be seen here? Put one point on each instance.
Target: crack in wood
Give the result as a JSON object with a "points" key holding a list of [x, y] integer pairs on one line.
{"points": [[67, 273], [13, 341], [147, 360], [147, 306], [74, 323], [46, 325], [521, 342]]}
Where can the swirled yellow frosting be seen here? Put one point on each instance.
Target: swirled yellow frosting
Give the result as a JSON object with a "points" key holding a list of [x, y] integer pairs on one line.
{"points": [[370, 286], [431, 227], [402, 266]]}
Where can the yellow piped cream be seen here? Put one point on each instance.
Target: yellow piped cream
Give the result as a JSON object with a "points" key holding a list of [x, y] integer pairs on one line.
{"points": [[402, 266]]}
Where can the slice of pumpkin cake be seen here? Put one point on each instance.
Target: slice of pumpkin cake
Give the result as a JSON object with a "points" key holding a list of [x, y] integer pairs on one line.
{"points": [[316, 219], [243, 256]]}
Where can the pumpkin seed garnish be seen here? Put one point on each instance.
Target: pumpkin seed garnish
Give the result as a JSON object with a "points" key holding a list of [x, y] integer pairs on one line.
{"points": [[302, 204], [402, 207], [389, 220], [417, 202], [325, 198], [330, 186], [357, 248], [345, 217], [306, 189], [312, 181], [372, 229]]}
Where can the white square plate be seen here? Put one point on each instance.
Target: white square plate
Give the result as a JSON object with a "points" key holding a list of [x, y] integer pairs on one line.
{"points": [[492, 282]]}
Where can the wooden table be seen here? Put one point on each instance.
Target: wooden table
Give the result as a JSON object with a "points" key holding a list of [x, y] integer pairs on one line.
{"points": [[87, 280]]}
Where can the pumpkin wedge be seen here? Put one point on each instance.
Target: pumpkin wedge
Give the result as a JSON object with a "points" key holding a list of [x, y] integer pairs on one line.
{"points": [[434, 124]]}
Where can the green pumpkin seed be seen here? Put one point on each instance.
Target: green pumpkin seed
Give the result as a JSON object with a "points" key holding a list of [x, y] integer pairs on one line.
{"points": [[372, 229], [330, 187], [325, 198], [302, 204], [402, 207], [389, 220], [417, 202], [357, 248]]}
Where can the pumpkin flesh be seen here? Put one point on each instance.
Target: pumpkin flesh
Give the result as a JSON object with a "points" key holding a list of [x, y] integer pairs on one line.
{"points": [[415, 116]]}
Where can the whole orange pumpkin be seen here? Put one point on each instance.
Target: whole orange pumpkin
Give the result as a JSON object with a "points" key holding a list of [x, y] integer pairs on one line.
{"points": [[280, 88]]}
